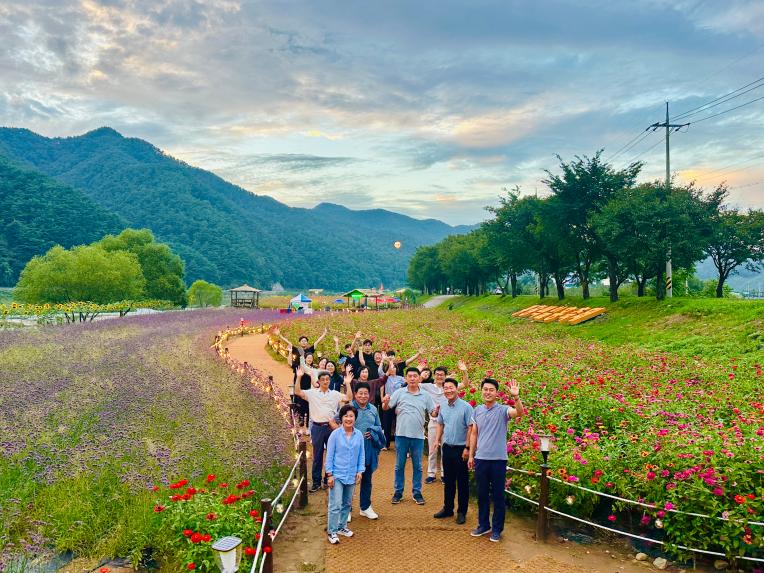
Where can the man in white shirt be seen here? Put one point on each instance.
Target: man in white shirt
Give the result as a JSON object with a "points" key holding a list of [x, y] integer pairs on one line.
{"points": [[324, 405]]}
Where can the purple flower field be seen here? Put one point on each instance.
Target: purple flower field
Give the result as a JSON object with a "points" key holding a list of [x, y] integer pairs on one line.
{"points": [[93, 415]]}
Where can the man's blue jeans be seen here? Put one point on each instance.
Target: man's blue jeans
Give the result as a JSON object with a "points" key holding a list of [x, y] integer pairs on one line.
{"points": [[319, 435], [340, 498], [365, 497], [414, 446]]}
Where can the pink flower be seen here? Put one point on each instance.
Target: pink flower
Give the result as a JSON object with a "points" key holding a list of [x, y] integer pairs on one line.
{"points": [[650, 476], [717, 491], [611, 517], [572, 478], [645, 520], [669, 506]]}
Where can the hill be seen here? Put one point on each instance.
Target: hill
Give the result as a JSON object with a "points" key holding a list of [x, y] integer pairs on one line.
{"points": [[224, 233], [37, 212]]}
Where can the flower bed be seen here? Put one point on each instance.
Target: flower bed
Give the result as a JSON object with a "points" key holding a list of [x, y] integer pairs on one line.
{"points": [[94, 415], [677, 433]]}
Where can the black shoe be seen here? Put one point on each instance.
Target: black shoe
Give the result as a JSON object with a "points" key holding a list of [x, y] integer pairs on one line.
{"points": [[418, 499], [443, 513], [396, 498], [315, 488], [461, 519], [443, 480], [430, 479]]}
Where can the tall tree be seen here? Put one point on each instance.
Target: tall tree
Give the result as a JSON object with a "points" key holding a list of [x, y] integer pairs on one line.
{"points": [[583, 188], [737, 241], [162, 268], [203, 294], [506, 236], [85, 273]]}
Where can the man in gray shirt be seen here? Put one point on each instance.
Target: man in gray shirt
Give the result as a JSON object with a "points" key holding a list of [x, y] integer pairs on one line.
{"points": [[488, 455], [410, 405], [454, 426]]}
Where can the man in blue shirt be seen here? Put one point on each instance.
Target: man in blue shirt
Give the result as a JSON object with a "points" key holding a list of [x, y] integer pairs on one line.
{"points": [[488, 455], [410, 405], [452, 433]]}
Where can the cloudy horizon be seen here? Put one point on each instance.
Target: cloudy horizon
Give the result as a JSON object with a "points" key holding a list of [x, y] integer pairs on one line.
{"points": [[428, 109]]}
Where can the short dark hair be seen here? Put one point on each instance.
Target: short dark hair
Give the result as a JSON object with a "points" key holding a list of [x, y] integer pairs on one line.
{"points": [[322, 373], [301, 337], [348, 408], [367, 341], [493, 382], [412, 369], [348, 345], [452, 380], [361, 386], [391, 352], [442, 369], [364, 368]]}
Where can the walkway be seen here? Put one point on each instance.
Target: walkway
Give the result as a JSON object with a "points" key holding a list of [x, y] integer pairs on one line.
{"points": [[437, 300], [406, 537]]}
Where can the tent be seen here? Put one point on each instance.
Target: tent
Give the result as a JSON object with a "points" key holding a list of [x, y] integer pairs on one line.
{"points": [[299, 301], [338, 300]]}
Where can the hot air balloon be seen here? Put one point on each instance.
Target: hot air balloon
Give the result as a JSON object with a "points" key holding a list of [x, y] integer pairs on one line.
{"points": [[397, 244]]}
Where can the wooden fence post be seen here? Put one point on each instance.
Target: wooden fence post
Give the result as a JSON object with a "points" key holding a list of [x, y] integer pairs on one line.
{"points": [[303, 450], [266, 510], [541, 524]]}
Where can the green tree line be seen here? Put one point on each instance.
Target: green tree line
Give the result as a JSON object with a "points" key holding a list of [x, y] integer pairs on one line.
{"points": [[596, 222]]}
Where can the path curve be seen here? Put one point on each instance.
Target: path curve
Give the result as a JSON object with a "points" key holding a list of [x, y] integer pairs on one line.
{"points": [[406, 537], [438, 300]]}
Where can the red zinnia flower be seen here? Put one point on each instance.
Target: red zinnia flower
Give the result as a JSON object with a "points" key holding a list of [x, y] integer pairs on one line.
{"points": [[611, 517], [196, 538], [739, 499], [223, 485], [211, 516], [104, 570], [155, 488], [206, 537], [188, 532], [191, 566], [158, 508], [191, 491], [250, 551], [267, 549], [211, 478]]}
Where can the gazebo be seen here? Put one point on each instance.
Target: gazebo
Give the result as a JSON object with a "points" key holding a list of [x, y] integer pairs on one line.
{"points": [[245, 296], [359, 293]]}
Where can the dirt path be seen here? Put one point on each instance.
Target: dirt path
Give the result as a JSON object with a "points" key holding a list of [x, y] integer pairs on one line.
{"points": [[407, 538]]}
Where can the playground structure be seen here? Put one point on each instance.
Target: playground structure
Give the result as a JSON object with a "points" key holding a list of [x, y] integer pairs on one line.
{"points": [[570, 315]]}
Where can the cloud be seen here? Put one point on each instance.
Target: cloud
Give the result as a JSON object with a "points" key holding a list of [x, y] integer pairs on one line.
{"points": [[384, 101]]}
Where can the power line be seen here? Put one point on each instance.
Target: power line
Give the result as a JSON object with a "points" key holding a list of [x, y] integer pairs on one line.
{"points": [[653, 146], [630, 144], [718, 100], [712, 174], [728, 110]]}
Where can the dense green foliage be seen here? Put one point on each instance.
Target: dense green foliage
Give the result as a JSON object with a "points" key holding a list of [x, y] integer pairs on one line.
{"points": [[129, 266], [37, 212], [84, 273], [596, 223], [202, 293], [162, 269], [223, 233]]}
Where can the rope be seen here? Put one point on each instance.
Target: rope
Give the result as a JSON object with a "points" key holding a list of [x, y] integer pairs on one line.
{"points": [[259, 543], [289, 507], [521, 497], [526, 472], [648, 539], [288, 479], [652, 506]]}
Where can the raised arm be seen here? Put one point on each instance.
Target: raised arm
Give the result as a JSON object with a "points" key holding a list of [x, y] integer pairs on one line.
{"points": [[313, 372], [414, 357], [465, 381], [297, 390], [349, 384], [320, 338], [354, 344], [277, 332], [336, 346], [519, 410]]}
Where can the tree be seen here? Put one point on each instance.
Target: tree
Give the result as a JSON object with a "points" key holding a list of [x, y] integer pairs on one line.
{"points": [[85, 273], [551, 242], [737, 240], [162, 269], [583, 188], [425, 272], [202, 294], [506, 238]]}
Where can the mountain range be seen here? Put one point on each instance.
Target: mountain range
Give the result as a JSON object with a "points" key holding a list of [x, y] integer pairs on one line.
{"points": [[73, 190]]}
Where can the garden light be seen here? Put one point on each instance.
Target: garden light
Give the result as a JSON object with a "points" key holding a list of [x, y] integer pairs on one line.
{"points": [[227, 554]]}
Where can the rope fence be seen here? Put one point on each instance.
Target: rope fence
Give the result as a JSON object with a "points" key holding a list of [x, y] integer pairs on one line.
{"points": [[543, 508], [289, 508]]}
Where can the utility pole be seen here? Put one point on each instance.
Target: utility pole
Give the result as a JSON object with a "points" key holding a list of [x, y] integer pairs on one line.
{"points": [[669, 128]]}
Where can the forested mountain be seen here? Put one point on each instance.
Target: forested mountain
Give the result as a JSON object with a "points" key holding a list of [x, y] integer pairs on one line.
{"points": [[37, 212], [224, 233]]}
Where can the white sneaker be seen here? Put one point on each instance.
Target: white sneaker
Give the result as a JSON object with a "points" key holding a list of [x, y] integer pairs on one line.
{"points": [[345, 532], [333, 539], [370, 513]]}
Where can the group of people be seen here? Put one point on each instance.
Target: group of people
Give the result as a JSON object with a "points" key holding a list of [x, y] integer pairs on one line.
{"points": [[358, 406]]}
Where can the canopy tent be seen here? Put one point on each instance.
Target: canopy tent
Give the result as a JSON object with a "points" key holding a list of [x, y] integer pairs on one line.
{"points": [[339, 300], [299, 301], [245, 296]]}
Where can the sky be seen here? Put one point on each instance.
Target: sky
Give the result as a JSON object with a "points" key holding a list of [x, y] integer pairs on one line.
{"points": [[428, 108]]}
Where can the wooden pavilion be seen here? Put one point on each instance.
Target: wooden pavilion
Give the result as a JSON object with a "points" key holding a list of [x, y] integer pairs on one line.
{"points": [[245, 296], [362, 293]]}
